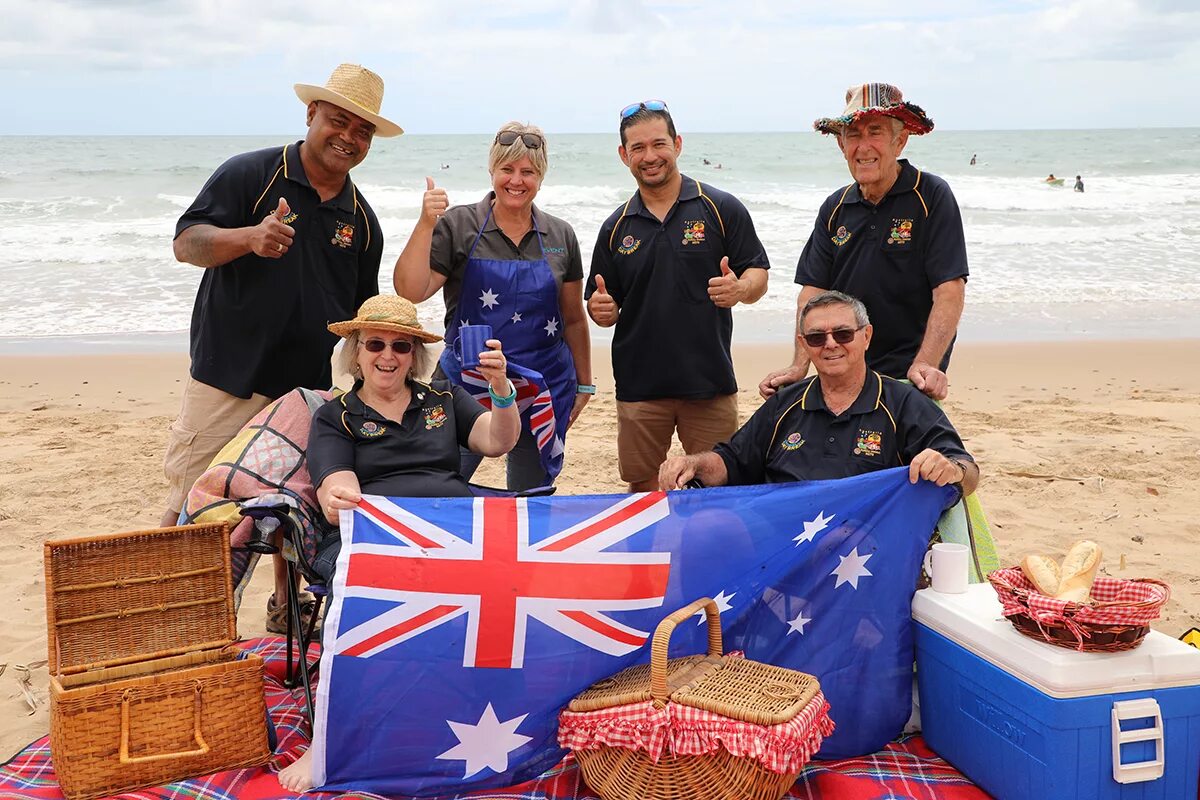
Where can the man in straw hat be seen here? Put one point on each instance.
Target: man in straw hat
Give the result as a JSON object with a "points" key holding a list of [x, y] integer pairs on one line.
{"points": [[288, 244], [893, 238]]}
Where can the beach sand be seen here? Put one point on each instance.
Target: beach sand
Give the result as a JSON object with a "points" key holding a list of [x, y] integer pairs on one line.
{"points": [[1078, 439]]}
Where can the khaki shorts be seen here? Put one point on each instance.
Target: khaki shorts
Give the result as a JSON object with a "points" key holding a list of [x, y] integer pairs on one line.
{"points": [[207, 420], [644, 430]]}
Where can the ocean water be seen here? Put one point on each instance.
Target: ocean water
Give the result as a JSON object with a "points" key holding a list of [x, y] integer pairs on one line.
{"points": [[86, 224]]}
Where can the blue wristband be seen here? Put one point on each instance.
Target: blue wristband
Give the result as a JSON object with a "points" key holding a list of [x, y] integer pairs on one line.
{"points": [[503, 402], [585, 388]]}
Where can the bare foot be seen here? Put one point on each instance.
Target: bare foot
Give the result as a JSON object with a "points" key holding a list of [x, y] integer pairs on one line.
{"points": [[297, 776]]}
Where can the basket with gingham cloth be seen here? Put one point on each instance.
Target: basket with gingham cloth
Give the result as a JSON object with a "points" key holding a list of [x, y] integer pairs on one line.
{"points": [[719, 727], [1117, 618]]}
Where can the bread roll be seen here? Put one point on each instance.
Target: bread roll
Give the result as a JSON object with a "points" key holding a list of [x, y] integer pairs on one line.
{"points": [[1042, 572], [1079, 571]]}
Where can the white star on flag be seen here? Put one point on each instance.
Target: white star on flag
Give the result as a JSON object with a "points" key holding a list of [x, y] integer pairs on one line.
{"points": [[722, 602], [488, 298], [516, 317], [487, 744], [797, 625], [813, 527], [850, 568], [552, 327]]}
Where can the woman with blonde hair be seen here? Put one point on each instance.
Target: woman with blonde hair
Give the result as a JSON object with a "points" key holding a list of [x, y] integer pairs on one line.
{"points": [[506, 263]]}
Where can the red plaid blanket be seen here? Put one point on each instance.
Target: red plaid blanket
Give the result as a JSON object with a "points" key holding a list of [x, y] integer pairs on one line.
{"points": [[905, 769]]}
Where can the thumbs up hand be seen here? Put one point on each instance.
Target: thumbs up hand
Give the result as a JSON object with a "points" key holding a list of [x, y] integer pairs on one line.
{"points": [[725, 291], [433, 203], [271, 238], [602, 308]]}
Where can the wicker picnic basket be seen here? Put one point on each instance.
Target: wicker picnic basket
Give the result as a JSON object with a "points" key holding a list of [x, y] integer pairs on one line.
{"points": [[146, 686], [1117, 618], [718, 727]]}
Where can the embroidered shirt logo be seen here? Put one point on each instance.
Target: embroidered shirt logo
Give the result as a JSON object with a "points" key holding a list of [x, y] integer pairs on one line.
{"points": [[842, 236], [693, 231], [371, 429], [290, 218], [793, 442], [628, 245], [343, 235], [435, 417], [869, 443], [901, 232]]}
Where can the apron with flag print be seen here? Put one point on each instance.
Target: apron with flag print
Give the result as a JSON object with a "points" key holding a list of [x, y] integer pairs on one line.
{"points": [[519, 299]]}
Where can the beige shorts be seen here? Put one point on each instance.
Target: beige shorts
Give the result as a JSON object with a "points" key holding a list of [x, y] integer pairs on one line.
{"points": [[645, 427], [208, 419]]}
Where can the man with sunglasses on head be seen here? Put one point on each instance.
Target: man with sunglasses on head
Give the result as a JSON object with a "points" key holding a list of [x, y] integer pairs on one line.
{"points": [[893, 238], [667, 268], [846, 420]]}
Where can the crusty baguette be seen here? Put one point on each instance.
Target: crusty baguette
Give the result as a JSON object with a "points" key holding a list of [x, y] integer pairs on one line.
{"points": [[1079, 571], [1042, 572]]}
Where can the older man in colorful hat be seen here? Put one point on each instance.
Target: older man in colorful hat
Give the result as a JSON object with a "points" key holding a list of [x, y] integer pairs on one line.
{"points": [[287, 244], [893, 238]]}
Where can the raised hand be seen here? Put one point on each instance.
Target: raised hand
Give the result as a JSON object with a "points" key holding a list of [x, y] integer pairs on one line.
{"points": [[433, 203], [725, 291], [271, 238], [602, 308]]}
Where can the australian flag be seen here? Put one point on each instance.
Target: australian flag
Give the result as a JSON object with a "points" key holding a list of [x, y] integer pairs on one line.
{"points": [[461, 627]]}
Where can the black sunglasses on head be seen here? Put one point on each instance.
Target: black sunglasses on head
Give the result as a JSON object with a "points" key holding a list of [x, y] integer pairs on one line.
{"points": [[400, 346], [530, 140], [840, 335]]}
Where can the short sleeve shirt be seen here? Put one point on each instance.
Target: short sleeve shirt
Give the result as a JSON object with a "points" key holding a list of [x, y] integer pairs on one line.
{"points": [[794, 437], [258, 324], [671, 341], [891, 256], [455, 234], [417, 456]]}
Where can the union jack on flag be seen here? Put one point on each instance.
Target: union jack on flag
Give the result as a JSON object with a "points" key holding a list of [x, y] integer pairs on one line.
{"points": [[535, 404], [460, 627]]}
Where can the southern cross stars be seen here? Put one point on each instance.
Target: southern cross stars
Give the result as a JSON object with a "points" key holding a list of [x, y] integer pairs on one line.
{"points": [[850, 568], [797, 625], [516, 317], [813, 527], [489, 298], [487, 744], [552, 327], [723, 605]]}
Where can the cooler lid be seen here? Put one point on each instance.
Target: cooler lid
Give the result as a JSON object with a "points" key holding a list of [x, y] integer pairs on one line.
{"points": [[975, 621], [124, 597]]}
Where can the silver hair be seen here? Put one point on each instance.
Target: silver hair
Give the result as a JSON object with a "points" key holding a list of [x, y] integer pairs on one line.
{"points": [[501, 154], [345, 362], [834, 298], [897, 128]]}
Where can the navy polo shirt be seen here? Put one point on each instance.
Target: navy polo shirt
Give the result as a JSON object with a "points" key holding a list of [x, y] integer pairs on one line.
{"points": [[890, 256], [794, 437], [417, 456], [258, 324], [670, 340]]}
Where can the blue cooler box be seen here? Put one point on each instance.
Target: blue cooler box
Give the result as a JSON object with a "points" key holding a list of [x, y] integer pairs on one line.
{"points": [[1026, 720]]}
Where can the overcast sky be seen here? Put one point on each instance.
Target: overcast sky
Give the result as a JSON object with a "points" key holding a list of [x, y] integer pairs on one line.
{"points": [[459, 66]]}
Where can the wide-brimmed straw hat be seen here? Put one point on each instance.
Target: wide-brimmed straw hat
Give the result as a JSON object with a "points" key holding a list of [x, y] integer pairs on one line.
{"points": [[355, 89], [386, 312], [877, 98]]}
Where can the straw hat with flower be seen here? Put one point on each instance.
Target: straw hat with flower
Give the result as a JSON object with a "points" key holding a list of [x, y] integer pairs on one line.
{"points": [[355, 89], [386, 312]]}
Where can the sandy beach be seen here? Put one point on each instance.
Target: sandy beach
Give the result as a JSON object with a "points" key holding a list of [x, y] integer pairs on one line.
{"points": [[1095, 439]]}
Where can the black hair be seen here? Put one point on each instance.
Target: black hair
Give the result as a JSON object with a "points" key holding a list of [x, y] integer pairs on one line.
{"points": [[645, 115]]}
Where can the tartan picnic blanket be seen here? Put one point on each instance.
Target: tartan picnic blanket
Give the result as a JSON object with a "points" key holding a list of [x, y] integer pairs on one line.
{"points": [[904, 770]]}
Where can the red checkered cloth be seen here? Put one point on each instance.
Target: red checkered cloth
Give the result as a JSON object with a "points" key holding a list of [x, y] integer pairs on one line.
{"points": [[685, 731], [1114, 602]]}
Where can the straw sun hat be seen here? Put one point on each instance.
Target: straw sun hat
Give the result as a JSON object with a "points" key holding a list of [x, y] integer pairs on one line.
{"points": [[877, 98], [355, 89], [386, 312]]}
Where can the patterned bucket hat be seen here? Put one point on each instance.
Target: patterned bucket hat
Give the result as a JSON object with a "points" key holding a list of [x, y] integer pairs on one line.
{"points": [[877, 98]]}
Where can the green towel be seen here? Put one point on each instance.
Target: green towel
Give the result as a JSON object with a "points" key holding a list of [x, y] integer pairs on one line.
{"points": [[953, 527]]}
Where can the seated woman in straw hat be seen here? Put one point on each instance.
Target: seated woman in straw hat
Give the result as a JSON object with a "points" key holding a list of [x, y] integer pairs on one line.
{"points": [[394, 434]]}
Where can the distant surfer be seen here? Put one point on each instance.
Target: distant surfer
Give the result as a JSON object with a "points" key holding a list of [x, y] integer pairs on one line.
{"points": [[707, 162], [973, 159], [1079, 184], [1051, 178], [445, 166]]}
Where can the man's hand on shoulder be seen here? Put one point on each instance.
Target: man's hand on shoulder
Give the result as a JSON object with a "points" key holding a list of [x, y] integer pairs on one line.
{"points": [[780, 378], [932, 466], [601, 306], [271, 238], [929, 379]]}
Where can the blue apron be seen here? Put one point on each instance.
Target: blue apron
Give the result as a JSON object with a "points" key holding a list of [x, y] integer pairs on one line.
{"points": [[519, 299]]}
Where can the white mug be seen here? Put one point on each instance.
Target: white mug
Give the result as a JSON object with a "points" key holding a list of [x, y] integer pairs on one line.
{"points": [[946, 564]]}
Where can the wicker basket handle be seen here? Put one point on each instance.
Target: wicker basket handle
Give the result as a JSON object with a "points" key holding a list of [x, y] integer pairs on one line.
{"points": [[201, 745], [662, 640]]}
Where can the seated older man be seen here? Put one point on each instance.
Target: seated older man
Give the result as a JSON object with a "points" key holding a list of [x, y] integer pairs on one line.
{"points": [[846, 420]]}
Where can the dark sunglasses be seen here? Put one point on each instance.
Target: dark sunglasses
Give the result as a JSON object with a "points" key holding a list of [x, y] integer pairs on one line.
{"points": [[649, 105], [530, 140], [400, 346], [840, 335]]}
